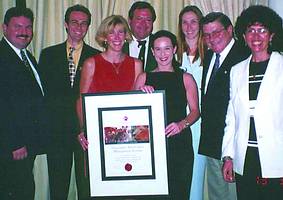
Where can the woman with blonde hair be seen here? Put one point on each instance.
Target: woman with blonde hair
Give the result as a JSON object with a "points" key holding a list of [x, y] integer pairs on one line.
{"points": [[109, 71]]}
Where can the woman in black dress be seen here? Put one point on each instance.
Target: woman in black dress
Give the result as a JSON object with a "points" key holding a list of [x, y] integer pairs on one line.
{"points": [[181, 90]]}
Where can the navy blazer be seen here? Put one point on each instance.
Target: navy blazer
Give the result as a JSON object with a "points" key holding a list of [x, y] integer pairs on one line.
{"points": [[214, 102], [21, 104], [60, 97], [151, 63]]}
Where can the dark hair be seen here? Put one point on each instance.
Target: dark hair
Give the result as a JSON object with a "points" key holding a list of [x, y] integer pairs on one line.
{"points": [[216, 16], [183, 46], [79, 8], [172, 37], [141, 5], [17, 12], [266, 17]]}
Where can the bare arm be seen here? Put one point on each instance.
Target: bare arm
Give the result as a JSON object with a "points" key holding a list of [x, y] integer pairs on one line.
{"points": [[86, 80], [138, 68], [192, 99]]}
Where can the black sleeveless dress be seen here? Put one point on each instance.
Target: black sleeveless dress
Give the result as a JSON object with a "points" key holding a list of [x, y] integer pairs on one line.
{"points": [[179, 147]]}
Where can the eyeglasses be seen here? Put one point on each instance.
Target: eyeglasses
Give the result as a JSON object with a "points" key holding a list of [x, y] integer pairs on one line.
{"points": [[213, 34], [258, 31]]}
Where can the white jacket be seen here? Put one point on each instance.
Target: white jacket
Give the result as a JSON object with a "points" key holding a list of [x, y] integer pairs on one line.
{"points": [[268, 116]]}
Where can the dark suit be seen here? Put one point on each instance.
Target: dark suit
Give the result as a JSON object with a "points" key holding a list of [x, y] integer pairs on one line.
{"points": [[214, 102], [21, 106], [63, 123], [151, 63]]}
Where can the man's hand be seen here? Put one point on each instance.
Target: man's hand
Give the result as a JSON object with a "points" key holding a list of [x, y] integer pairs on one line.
{"points": [[227, 171]]}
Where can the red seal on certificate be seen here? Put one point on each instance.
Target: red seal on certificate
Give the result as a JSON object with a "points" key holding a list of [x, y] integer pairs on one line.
{"points": [[128, 167]]}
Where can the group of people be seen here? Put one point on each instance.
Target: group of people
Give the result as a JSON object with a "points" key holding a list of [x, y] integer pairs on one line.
{"points": [[223, 89]]}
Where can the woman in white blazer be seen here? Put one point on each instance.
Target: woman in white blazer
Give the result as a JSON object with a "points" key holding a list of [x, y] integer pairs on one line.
{"points": [[253, 141]]}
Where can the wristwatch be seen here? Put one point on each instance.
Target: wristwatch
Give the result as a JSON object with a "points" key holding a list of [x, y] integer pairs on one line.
{"points": [[225, 158], [187, 124]]}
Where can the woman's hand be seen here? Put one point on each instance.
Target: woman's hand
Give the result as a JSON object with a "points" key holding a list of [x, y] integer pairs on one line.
{"points": [[147, 88], [83, 141], [227, 171], [174, 128]]}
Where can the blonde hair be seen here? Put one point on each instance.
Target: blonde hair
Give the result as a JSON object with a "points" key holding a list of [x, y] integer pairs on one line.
{"points": [[107, 25]]}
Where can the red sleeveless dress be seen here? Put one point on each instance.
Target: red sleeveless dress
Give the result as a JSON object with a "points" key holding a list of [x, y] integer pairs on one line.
{"points": [[108, 77]]}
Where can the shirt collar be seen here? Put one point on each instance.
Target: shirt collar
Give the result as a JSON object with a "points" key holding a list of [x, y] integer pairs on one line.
{"points": [[78, 47], [226, 50], [17, 50]]}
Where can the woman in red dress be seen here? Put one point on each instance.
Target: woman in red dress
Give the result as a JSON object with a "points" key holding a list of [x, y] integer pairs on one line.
{"points": [[111, 70]]}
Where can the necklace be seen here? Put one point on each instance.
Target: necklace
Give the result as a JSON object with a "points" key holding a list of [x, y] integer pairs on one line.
{"points": [[117, 66]]}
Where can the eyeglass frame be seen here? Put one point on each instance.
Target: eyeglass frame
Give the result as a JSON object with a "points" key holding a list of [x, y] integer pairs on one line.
{"points": [[261, 30], [213, 34]]}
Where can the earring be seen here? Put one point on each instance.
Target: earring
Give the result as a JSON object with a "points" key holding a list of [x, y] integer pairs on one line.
{"points": [[105, 43]]}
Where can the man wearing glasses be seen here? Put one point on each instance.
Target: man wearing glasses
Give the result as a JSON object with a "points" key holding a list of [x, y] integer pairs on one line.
{"points": [[223, 53]]}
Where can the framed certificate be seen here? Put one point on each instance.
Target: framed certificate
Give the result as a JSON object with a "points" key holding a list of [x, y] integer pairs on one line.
{"points": [[127, 144]]}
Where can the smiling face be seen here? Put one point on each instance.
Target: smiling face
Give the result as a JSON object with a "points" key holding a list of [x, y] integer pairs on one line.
{"points": [[19, 31], [116, 37], [77, 26], [216, 36], [257, 38], [190, 25], [141, 24], [163, 51]]}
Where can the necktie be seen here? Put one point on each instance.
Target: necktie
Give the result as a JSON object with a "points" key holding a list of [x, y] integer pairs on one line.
{"points": [[26, 62], [215, 66], [142, 50], [72, 67]]}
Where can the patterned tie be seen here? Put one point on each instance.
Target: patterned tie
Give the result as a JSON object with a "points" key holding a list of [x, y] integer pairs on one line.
{"points": [[142, 50], [26, 62], [215, 66], [72, 67]]}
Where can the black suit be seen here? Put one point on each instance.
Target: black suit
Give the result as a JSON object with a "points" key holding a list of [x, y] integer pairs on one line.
{"points": [[63, 122], [214, 102], [151, 63], [21, 105]]}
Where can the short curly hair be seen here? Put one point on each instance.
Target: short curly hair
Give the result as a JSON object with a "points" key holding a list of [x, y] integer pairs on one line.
{"points": [[264, 16], [142, 5]]}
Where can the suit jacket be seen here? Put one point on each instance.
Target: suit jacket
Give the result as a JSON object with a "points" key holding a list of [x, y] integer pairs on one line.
{"points": [[214, 102], [21, 104], [151, 63], [268, 118], [60, 97]]}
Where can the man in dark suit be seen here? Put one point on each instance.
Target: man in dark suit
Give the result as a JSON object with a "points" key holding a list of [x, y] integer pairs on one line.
{"points": [[223, 54], [61, 66], [21, 105], [141, 17]]}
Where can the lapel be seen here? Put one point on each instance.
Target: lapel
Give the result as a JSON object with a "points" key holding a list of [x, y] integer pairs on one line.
{"points": [[206, 64], [17, 66], [243, 89], [272, 79]]}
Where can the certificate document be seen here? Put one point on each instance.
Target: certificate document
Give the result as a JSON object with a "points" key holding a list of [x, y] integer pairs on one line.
{"points": [[127, 144]]}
